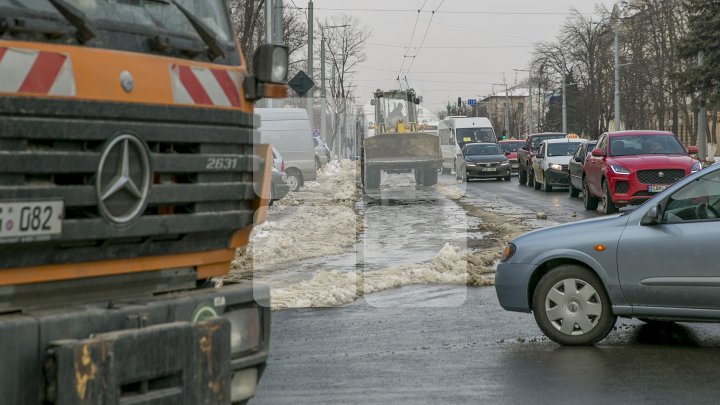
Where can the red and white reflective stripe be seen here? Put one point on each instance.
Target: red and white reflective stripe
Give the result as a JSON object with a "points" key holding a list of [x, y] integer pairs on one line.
{"points": [[203, 86], [36, 72]]}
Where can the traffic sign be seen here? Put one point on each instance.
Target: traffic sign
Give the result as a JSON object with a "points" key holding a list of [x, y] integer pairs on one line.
{"points": [[301, 83], [472, 101]]}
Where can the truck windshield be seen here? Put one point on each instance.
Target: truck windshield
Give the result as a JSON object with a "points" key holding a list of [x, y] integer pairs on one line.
{"points": [[472, 135], [159, 14]]}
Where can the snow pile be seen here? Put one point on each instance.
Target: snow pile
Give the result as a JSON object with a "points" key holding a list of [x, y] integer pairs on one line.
{"points": [[319, 220], [332, 288]]}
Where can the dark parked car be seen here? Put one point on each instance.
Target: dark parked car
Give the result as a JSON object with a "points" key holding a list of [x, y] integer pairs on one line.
{"points": [[657, 262], [526, 154], [575, 168], [482, 161]]}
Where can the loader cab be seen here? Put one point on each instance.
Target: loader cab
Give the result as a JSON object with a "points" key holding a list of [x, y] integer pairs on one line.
{"points": [[395, 111]]}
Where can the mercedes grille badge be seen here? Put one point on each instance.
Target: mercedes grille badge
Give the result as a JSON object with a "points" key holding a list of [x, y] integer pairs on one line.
{"points": [[123, 179]]}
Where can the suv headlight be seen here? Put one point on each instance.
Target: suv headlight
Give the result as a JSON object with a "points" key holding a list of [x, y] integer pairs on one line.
{"points": [[696, 167], [617, 169], [555, 166]]}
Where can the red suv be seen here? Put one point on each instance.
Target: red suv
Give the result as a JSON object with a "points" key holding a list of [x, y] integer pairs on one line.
{"points": [[629, 167]]}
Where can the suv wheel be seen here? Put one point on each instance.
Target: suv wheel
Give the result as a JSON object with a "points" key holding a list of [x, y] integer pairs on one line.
{"points": [[589, 201], [608, 205], [571, 306]]}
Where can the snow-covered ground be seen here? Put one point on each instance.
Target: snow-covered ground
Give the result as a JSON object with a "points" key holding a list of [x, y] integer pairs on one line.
{"points": [[327, 246]]}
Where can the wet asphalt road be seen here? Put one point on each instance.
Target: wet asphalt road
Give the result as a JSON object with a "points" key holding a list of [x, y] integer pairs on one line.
{"points": [[419, 349]]}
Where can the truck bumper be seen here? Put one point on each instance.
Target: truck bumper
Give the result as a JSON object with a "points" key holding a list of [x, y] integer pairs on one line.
{"points": [[203, 346]]}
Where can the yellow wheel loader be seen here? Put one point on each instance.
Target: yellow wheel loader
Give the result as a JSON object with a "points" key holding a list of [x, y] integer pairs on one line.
{"points": [[396, 145]]}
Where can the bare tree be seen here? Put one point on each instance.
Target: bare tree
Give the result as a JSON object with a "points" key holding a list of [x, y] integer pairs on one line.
{"points": [[345, 49]]}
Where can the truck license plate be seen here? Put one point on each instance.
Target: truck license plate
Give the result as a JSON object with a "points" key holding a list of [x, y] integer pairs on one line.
{"points": [[30, 220], [489, 169], [656, 189]]}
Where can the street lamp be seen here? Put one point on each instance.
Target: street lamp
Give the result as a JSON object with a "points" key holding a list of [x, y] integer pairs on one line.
{"points": [[530, 99]]}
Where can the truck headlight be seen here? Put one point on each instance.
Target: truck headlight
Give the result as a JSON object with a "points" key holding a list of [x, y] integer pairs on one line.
{"points": [[245, 329], [271, 63], [555, 166], [244, 385]]}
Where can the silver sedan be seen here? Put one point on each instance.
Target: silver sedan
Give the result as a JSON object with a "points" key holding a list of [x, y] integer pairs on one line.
{"points": [[657, 263]]}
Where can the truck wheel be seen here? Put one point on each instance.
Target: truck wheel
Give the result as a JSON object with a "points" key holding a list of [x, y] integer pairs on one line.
{"points": [[608, 205], [589, 201], [522, 176], [430, 177], [571, 306], [546, 187], [574, 192], [294, 180], [530, 179], [372, 178]]}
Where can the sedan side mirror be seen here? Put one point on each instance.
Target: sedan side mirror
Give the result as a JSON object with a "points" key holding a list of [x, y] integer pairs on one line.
{"points": [[652, 217], [597, 153], [693, 150]]}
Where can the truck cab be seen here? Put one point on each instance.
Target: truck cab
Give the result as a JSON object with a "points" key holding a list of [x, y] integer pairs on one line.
{"points": [[128, 176]]}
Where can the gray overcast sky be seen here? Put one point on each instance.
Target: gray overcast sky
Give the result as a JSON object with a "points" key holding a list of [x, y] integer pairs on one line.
{"points": [[448, 66]]}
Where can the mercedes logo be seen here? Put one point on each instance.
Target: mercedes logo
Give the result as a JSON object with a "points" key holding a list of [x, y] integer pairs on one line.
{"points": [[123, 179], [661, 174]]}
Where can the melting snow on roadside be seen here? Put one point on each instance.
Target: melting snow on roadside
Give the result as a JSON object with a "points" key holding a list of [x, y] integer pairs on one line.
{"points": [[452, 266], [319, 220]]}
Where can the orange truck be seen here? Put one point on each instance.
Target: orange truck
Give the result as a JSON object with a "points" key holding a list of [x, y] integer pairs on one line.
{"points": [[128, 177]]}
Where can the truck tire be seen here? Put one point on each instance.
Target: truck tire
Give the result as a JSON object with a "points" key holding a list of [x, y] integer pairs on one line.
{"points": [[372, 178], [530, 179], [589, 201], [429, 177], [418, 176], [522, 176]]}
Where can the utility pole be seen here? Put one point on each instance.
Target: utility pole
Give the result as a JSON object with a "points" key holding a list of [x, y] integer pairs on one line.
{"points": [[530, 99], [277, 24], [616, 24], [702, 118], [323, 90], [564, 105], [310, 98]]}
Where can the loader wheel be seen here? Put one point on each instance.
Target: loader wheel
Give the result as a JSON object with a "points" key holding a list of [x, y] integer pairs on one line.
{"points": [[429, 177], [372, 178]]}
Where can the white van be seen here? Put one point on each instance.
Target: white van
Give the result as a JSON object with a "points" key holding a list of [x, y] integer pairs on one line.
{"points": [[288, 130], [455, 132]]}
